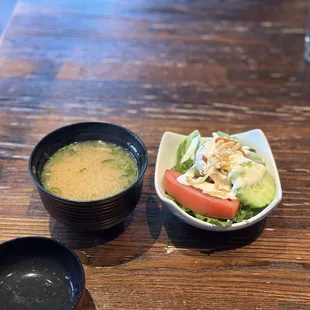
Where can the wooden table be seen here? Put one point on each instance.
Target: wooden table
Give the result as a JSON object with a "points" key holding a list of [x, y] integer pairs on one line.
{"points": [[154, 66]]}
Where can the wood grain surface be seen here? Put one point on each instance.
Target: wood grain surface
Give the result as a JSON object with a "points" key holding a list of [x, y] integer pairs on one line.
{"points": [[154, 66]]}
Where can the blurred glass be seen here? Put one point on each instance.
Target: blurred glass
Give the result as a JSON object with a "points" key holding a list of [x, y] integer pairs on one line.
{"points": [[307, 48], [307, 37]]}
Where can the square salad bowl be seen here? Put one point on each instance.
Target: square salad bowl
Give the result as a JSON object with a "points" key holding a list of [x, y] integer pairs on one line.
{"points": [[166, 159]]}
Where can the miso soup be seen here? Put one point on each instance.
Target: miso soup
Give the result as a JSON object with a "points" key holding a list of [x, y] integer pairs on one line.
{"points": [[89, 170]]}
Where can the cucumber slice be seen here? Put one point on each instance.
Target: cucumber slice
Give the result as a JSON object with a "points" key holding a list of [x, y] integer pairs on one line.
{"points": [[258, 195]]}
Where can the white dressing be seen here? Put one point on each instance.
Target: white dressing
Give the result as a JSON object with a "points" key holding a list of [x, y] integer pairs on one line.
{"points": [[206, 187], [248, 175], [226, 164], [205, 151]]}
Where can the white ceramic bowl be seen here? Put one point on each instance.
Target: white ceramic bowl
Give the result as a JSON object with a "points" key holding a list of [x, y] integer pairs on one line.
{"points": [[166, 159]]}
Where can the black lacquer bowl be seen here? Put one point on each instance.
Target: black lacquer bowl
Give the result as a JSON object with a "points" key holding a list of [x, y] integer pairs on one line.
{"points": [[39, 273], [91, 215]]}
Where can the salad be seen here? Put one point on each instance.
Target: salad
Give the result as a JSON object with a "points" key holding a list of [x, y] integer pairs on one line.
{"points": [[220, 181]]}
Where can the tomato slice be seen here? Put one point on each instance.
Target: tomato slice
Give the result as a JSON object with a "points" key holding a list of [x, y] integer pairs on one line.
{"points": [[197, 201]]}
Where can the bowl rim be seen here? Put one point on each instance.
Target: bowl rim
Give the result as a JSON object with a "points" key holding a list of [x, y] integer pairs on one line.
{"points": [[235, 226], [46, 239], [82, 202]]}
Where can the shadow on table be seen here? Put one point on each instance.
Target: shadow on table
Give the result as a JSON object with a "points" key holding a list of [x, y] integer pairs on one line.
{"points": [[120, 244], [182, 235], [88, 302]]}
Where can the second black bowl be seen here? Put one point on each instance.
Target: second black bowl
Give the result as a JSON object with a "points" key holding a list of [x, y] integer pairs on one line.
{"points": [[39, 273], [96, 214]]}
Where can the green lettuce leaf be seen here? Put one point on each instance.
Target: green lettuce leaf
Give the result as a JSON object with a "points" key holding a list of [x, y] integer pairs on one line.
{"points": [[183, 167], [244, 213], [226, 135], [218, 222], [211, 220], [183, 146]]}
